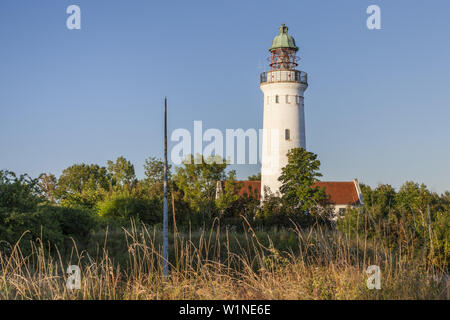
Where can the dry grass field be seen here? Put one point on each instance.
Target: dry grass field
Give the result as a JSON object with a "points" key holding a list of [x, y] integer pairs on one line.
{"points": [[316, 263]]}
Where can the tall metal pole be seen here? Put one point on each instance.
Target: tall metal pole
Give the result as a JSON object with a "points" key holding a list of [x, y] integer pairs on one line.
{"points": [[165, 208]]}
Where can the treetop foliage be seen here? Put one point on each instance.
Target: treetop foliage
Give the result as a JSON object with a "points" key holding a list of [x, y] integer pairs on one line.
{"points": [[297, 179]]}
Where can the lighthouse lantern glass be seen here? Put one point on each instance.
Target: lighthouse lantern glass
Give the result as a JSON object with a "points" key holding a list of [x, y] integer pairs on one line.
{"points": [[283, 59]]}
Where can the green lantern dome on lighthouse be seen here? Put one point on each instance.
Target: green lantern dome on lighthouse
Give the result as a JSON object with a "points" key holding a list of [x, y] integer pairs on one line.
{"points": [[283, 40]]}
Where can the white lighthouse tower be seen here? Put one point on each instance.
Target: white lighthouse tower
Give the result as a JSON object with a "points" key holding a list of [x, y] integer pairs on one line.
{"points": [[284, 115]]}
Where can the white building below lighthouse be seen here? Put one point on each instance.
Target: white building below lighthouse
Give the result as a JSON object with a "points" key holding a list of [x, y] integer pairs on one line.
{"points": [[284, 110]]}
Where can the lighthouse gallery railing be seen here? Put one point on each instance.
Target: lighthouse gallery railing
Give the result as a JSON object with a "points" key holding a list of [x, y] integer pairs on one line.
{"points": [[284, 76]]}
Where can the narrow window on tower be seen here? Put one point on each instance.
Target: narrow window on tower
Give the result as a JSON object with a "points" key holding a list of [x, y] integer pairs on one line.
{"points": [[287, 134], [287, 99], [276, 99]]}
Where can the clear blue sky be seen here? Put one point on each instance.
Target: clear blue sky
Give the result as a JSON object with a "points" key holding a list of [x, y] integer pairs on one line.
{"points": [[378, 105]]}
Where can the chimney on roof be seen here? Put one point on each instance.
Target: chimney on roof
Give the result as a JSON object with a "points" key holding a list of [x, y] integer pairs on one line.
{"points": [[219, 189], [358, 191]]}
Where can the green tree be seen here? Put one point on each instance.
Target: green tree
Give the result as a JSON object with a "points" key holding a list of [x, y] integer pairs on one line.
{"points": [[380, 202], [230, 192], [418, 207], [198, 179], [154, 170], [123, 206], [154, 173], [22, 212], [272, 212], [18, 193], [414, 197], [412, 217], [48, 184], [82, 185], [122, 173], [297, 179]]}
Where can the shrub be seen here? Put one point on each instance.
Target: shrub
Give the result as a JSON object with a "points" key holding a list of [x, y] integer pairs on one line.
{"points": [[18, 193], [50, 224], [123, 207]]}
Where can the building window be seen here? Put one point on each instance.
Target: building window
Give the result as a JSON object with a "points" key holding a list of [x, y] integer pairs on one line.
{"points": [[287, 134], [277, 99], [297, 99], [287, 99]]}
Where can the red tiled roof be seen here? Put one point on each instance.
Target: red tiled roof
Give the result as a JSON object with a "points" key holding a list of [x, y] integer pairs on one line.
{"points": [[251, 188], [339, 192]]}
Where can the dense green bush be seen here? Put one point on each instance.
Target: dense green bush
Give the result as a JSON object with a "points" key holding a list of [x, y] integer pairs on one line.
{"points": [[40, 224], [124, 207], [413, 217], [23, 213], [18, 193], [50, 224]]}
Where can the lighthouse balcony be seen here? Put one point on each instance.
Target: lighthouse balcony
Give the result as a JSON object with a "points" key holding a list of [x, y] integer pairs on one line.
{"points": [[284, 76]]}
